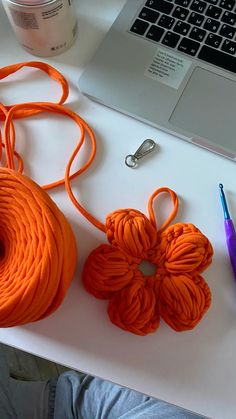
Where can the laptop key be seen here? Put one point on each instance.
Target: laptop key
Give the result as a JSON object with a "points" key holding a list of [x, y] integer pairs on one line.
{"points": [[198, 6], [213, 11], [227, 31], [151, 3], [155, 33], [166, 21], [229, 46], [197, 34], [196, 19], [188, 46], [229, 18], [139, 27], [213, 40], [227, 4], [180, 13], [218, 58], [211, 25], [181, 27], [149, 15], [160, 5], [170, 39], [184, 3]]}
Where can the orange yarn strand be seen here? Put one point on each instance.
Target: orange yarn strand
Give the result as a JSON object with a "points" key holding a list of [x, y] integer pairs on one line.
{"points": [[9, 135], [12, 131], [46, 68]]}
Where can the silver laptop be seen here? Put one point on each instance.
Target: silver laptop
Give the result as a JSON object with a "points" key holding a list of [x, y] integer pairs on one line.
{"points": [[172, 64]]}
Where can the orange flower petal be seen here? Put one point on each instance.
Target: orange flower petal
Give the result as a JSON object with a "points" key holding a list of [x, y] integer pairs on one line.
{"points": [[185, 249], [134, 308], [107, 270], [131, 231], [183, 300]]}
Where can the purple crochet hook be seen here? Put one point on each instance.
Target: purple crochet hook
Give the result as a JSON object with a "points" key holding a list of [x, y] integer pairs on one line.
{"points": [[229, 231]]}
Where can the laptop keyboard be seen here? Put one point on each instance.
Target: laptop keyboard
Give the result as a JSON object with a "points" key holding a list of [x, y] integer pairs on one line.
{"points": [[202, 29]]}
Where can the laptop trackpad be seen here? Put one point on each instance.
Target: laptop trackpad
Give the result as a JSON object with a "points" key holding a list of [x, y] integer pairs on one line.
{"points": [[207, 108]]}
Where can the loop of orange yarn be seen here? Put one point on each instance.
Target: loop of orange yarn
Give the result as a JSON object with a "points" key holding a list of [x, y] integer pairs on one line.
{"points": [[37, 251], [32, 108], [36, 107], [172, 215], [176, 292], [46, 68]]}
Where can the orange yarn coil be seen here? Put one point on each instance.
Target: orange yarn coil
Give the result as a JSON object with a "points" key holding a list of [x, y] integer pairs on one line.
{"points": [[37, 247], [38, 251]]}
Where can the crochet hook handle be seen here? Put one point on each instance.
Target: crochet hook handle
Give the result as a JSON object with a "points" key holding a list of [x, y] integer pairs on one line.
{"points": [[229, 231]]}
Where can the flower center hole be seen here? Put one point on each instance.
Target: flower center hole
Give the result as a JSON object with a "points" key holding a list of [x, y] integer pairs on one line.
{"points": [[147, 268]]}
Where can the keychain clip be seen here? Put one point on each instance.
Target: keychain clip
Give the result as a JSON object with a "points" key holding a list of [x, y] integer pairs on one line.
{"points": [[146, 147]]}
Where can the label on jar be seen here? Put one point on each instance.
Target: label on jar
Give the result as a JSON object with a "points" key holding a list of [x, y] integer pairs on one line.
{"points": [[44, 29]]}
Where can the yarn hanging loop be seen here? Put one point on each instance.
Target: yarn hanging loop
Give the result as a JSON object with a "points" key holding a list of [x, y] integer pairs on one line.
{"points": [[172, 215]]}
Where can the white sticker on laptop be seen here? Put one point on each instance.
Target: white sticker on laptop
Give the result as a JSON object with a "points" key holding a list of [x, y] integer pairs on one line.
{"points": [[168, 68]]}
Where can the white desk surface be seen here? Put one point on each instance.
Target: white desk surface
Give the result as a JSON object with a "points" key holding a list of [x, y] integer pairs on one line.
{"points": [[195, 369]]}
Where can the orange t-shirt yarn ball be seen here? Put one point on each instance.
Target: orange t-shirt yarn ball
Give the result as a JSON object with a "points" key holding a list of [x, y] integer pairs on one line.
{"points": [[38, 252], [177, 292]]}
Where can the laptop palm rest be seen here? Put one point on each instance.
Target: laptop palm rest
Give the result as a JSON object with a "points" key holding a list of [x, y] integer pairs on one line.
{"points": [[207, 108]]}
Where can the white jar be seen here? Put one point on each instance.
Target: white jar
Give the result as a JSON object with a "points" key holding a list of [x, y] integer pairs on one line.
{"points": [[43, 27]]}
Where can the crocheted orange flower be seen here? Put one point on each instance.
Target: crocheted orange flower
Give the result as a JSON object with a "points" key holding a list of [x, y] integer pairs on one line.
{"points": [[176, 292]]}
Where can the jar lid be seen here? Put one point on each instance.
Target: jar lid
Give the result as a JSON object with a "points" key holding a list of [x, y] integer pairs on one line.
{"points": [[32, 2]]}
